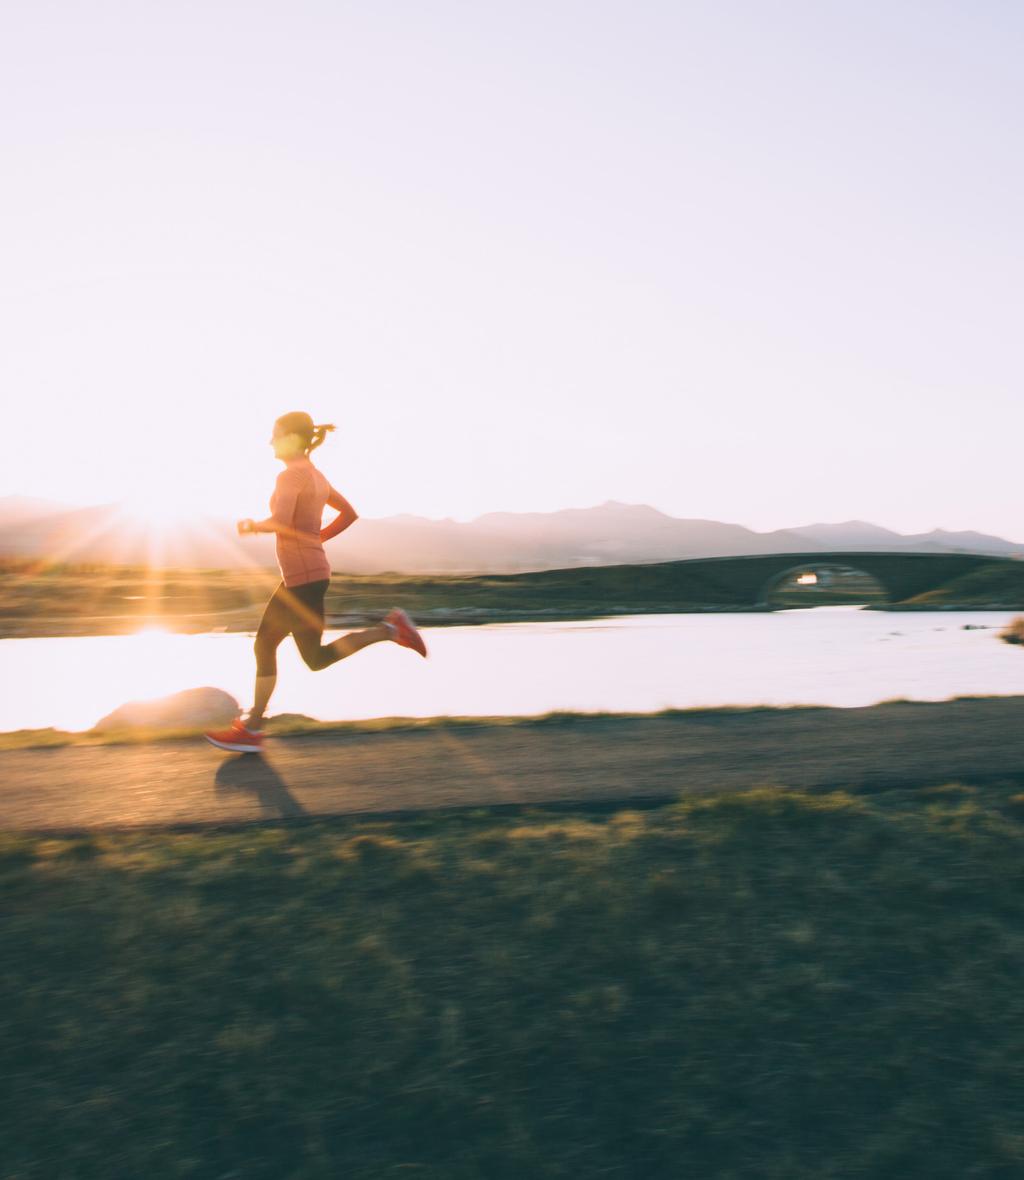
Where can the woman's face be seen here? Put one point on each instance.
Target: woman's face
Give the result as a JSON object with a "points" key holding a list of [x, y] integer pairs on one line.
{"points": [[287, 446]]}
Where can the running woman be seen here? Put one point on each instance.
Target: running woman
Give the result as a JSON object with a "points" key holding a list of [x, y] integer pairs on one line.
{"points": [[297, 605]]}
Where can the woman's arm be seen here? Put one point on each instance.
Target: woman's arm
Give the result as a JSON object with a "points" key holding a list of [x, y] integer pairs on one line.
{"points": [[286, 494], [346, 515], [272, 525]]}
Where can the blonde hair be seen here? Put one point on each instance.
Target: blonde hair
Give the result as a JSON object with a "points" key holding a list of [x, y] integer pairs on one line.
{"points": [[319, 434]]}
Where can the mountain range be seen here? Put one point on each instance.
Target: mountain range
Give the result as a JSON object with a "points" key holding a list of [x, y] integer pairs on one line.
{"points": [[497, 542]]}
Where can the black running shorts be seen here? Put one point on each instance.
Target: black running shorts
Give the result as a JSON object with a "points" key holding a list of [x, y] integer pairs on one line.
{"points": [[294, 610]]}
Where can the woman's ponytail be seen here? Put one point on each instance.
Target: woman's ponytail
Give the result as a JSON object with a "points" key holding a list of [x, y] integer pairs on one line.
{"points": [[319, 434]]}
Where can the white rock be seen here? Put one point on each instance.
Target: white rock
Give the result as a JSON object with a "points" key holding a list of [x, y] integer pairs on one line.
{"points": [[194, 706]]}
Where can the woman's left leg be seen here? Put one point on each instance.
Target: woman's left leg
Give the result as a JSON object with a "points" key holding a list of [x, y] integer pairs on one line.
{"points": [[308, 629], [320, 655]]}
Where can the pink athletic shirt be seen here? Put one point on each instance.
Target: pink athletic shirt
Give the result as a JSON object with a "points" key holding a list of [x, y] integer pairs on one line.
{"points": [[300, 494]]}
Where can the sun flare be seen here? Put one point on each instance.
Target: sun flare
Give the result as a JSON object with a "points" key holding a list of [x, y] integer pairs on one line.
{"points": [[159, 513]]}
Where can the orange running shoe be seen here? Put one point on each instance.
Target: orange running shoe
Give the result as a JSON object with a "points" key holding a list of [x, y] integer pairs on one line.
{"points": [[237, 739], [404, 631]]}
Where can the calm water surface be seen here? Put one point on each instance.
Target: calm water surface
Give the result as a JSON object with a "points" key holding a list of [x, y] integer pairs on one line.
{"points": [[839, 655]]}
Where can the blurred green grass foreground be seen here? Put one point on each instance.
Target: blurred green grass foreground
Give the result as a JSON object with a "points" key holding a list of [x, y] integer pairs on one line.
{"points": [[770, 984]]}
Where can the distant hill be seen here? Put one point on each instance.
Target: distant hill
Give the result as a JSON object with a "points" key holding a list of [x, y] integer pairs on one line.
{"points": [[851, 534], [969, 542], [498, 542], [20, 509], [859, 534]]}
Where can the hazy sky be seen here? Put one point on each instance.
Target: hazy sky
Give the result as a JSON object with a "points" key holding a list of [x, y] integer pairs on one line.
{"points": [[759, 262]]}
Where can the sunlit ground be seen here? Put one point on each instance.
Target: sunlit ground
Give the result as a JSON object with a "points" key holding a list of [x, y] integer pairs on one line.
{"points": [[839, 656]]}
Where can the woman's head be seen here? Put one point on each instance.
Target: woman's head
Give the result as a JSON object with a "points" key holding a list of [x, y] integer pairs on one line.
{"points": [[294, 435]]}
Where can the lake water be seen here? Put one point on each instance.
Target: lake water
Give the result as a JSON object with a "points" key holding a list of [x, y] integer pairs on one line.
{"points": [[838, 655]]}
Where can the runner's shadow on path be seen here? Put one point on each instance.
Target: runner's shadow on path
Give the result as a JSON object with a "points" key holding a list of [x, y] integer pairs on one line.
{"points": [[259, 778]]}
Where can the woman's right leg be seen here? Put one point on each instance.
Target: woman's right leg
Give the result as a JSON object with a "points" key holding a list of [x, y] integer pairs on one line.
{"points": [[264, 690], [273, 630]]}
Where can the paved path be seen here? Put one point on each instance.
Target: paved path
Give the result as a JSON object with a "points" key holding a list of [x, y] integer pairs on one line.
{"points": [[590, 759]]}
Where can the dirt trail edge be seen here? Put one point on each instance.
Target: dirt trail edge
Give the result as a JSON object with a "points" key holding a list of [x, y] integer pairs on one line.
{"points": [[581, 760]]}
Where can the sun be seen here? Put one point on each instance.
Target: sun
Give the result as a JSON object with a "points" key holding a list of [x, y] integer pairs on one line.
{"points": [[159, 514]]}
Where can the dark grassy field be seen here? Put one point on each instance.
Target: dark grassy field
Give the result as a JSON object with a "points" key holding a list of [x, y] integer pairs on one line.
{"points": [[996, 585], [82, 600], [71, 600], [769, 985]]}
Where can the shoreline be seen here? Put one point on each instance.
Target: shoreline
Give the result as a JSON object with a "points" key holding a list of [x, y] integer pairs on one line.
{"points": [[212, 623], [286, 726]]}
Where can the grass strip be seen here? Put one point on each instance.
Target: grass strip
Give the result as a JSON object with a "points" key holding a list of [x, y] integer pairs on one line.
{"points": [[287, 725], [771, 984]]}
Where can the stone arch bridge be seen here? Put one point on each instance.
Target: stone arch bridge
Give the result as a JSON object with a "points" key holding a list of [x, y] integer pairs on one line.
{"points": [[750, 580]]}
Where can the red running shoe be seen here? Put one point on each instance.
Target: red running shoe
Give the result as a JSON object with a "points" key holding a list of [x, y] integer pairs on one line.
{"points": [[405, 633], [237, 739]]}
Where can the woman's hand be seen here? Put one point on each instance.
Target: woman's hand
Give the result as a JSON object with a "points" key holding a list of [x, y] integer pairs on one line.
{"points": [[246, 526]]}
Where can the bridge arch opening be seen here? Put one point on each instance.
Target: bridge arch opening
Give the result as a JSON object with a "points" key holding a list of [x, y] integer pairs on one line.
{"points": [[822, 583]]}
